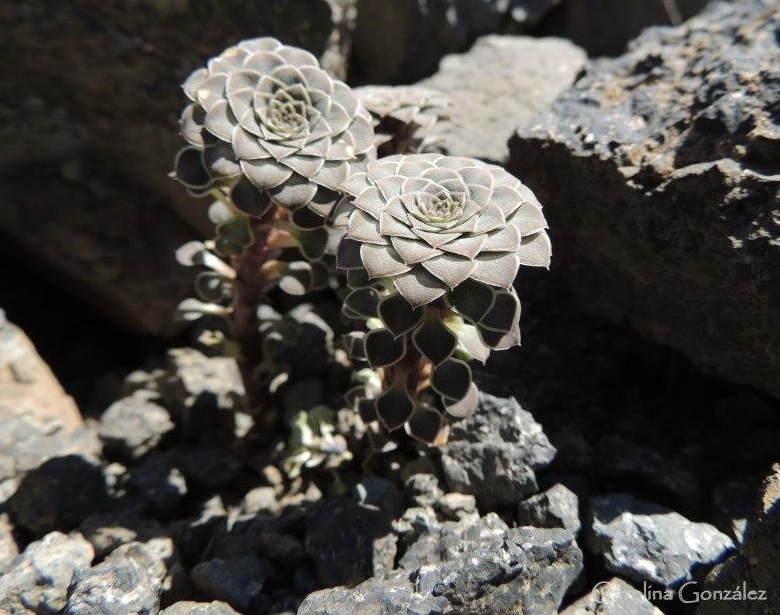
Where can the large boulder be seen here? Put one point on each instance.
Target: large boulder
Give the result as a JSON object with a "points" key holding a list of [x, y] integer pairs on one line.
{"points": [[88, 131], [500, 81], [659, 173]]}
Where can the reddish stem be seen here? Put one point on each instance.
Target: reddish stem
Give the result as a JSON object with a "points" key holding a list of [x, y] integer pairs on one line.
{"points": [[248, 291]]}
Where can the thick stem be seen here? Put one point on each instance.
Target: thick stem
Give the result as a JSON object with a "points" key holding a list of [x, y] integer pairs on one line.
{"points": [[248, 291]]}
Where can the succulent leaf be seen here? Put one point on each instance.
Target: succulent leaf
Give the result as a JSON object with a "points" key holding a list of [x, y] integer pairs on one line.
{"points": [[210, 287], [398, 315], [394, 407], [435, 341], [236, 231], [471, 299], [363, 302], [248, 199], [383, 348], [463, 407], [452, 379], [503, 314], [427, 425]]}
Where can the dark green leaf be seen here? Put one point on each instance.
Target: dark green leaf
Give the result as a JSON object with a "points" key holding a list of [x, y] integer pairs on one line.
{"points": [[464, 407], [490, 337], [305, 218], [236, 231], [355, 344], [427, 425], [296, 278], [313, 242], [398, 315], [247, 198], [210, 287], [363, 301], [383, 348], [435, 341], [503, 314], [452, 378], [394, 407], [471, 299], [190, 170], [358, 278], [348, 254], [367, 410]]}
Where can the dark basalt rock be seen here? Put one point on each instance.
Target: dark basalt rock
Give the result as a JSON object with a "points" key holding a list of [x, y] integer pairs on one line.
{"points": [[133, 426], [127, 582], [757, 567], [481, 568], [349, 542], [38, 579], [646, 542], [659, 175], [613, 597], [493, 453], [59, 495]]}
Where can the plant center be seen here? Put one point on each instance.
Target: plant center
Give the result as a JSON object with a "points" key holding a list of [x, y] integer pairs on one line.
{"points": [[439, 209]]}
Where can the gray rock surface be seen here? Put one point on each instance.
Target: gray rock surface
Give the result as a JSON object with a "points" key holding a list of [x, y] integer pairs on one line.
{"points": [[202, 392], [188, 607], [348, 543], [127, 582], [757, 567], [555, 507], [668, 217], [133, 426], [481, 568], [59, 495], [38, 579], [109, 530], [423, 489], [500, 81], [103, 225], [237, 581], [613, 597], [493, 453], [647, 542]]}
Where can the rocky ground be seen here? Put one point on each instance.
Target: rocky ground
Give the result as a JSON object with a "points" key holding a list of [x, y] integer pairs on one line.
{"points": [[624, 460]]}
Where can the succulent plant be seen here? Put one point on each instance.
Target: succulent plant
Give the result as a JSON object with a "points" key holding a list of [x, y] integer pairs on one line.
{"points": [[270, 125], [314, 442], [432, 248], [271, 136], [403, 115]]}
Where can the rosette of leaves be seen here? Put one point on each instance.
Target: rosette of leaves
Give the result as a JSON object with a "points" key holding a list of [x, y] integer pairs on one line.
{"points": [[432, 248], [403, 116], [271, 135], [268, 113]]}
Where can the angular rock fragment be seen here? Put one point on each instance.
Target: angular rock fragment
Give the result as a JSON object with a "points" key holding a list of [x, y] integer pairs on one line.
{"points": [[647, 542], [493, 454]]}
